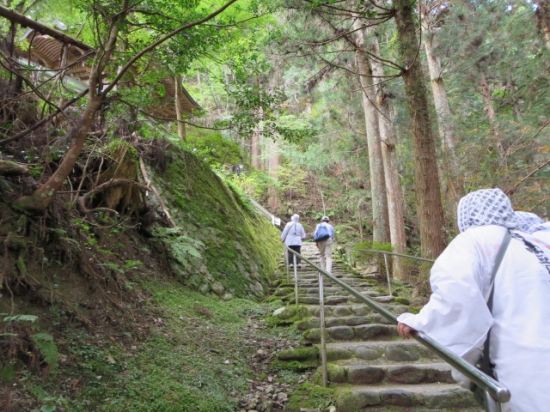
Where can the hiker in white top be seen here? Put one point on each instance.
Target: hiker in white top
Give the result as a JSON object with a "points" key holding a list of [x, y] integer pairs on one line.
{"points": [[457, 315], [325, 245], [292, 236]]}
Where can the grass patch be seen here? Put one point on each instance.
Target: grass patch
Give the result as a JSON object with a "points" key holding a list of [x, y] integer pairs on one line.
{"points": [[194, 358]]}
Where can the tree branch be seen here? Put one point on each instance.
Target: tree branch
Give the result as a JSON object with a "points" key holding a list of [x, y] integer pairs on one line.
{"points": [[13, 16], [512, 190], [153, 45]]}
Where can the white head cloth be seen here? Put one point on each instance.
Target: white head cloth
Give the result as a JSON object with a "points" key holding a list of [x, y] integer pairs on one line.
{"points": [[485, 207], [529, 222], [295, 218]]}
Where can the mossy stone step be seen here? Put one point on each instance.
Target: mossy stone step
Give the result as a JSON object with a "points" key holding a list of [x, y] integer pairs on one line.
{"points": [[351, 333], [376, 352], [314, 282], [430, 396], [308, 292], [314, 322], [360, 374], [421, 409], [340, 299], [356, 310]]}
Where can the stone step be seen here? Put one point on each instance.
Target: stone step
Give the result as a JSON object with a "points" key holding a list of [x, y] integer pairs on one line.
{"points": [[419, 409], [313, 274], [442, 396], [360, 374], [379, 352], [356, 310], [309, 291], [314, 281], [337, 299], [369, 366], [351, 333], [339, 311], [334, 291], [314, 322]]}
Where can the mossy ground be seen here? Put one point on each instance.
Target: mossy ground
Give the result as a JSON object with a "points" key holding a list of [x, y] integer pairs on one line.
{"points": [[135, 325]]}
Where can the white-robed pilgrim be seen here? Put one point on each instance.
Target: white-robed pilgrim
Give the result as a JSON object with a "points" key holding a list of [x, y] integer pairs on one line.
{"points": [[457, 315]]}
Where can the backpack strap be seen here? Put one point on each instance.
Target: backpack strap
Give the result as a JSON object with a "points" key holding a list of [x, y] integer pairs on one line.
{"points": [[486, 364], [287, 233]]}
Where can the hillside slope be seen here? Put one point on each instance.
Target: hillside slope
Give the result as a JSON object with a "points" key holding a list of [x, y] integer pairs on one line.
{"points": [[104, 311]]}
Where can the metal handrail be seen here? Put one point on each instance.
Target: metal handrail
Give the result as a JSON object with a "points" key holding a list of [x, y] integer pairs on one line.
{"points": [[386, 252], [274, 220], [491, 387]]}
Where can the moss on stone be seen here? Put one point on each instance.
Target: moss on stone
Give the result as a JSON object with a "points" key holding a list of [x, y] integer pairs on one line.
{"points": [[231, 248], [414, 309], [294, 365], [402, 301], [336, 373], [309, 396], [300, 354]]}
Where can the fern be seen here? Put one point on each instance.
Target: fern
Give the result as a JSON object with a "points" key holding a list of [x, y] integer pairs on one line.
{"points": [[46, 345], [113, 266], [20, 318], [182, 247]]}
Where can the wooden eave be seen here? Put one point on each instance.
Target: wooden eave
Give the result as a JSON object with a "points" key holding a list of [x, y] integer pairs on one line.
{"points": [[47, 47]]}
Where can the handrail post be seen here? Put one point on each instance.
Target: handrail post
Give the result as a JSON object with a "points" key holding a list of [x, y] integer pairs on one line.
{"points": [[491, 405], [285, 251], [387, 272], [295, 278], [324, 377]]}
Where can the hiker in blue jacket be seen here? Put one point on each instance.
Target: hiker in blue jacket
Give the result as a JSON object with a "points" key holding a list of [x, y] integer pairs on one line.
{"points": [[292, 236], [324, 243]]}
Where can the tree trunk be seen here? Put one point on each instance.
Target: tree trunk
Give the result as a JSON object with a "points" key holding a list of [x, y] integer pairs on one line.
{"points": [[450, 165], [78, 133], [380, 225], [395, 202], [255, 148], [490, 110], [43, 196], [274, 202], [428, 196], [179, 107], [543, 18]]}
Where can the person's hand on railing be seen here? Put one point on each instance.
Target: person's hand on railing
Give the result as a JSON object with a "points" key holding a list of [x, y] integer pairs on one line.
{"points": [[405, 331]]}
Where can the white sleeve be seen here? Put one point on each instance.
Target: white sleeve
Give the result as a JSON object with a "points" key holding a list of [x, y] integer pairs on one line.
{"points": [[456, 315]]}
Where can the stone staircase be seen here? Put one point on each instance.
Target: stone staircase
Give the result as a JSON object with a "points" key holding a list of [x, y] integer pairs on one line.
{"points": [[370, 367]]}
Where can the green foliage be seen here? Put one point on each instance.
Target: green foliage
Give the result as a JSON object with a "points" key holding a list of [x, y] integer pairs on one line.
{"points": [[309, 396], [292, 181], [294, 129], [21, 318], [254, 184], [46, 344], [183, 248], [214, 149], [7, 374]]}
